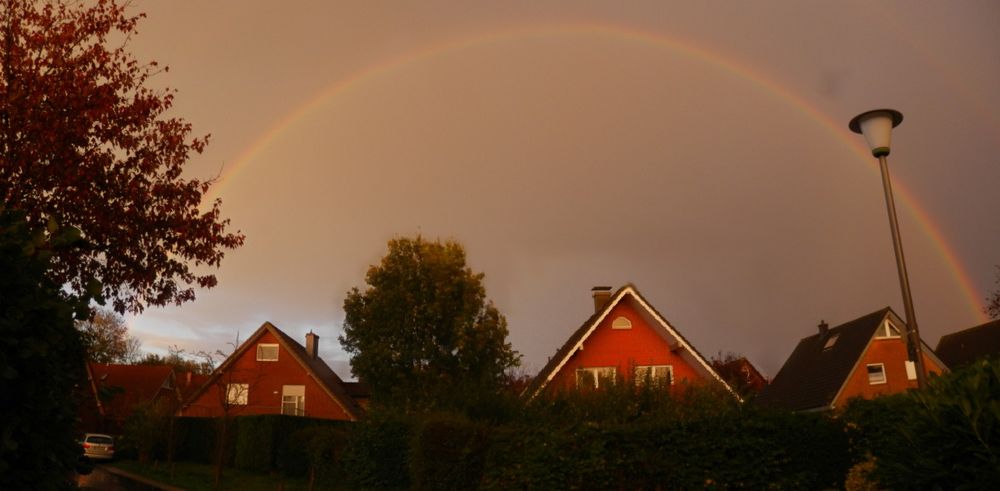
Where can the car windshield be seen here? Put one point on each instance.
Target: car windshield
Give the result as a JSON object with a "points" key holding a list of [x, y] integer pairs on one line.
{"points": [[103, 440]]}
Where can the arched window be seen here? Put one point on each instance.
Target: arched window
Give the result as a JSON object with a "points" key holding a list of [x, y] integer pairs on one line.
{"points": [[621, 323]]}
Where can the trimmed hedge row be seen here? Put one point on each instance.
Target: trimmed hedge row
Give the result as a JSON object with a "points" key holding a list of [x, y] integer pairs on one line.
{"points": [[252, 442], [944, 437], [775, 451]]}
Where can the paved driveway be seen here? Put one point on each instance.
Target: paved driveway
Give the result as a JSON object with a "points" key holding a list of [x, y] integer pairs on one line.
{"points": [[105, 481]]}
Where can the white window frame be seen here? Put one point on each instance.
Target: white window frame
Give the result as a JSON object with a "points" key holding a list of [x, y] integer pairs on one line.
{"points": [[657, 373], [596, 374], [293, 400], [621, 322], [261, 355], [885, 331], [876, 381], [237, 394]]}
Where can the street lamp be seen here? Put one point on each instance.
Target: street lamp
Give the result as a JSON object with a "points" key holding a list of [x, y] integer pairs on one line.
{"points": [[877, 127]]}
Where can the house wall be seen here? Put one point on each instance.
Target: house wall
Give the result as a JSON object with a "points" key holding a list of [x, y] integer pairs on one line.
{"points": [[623, 349], [892, 353], [265, 380]]}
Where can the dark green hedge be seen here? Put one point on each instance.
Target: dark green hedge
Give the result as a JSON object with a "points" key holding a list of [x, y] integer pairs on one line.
{"points": [[260, 438], [946, 436], [448, 452], [378, 451], [757, 450], [252, 442]]}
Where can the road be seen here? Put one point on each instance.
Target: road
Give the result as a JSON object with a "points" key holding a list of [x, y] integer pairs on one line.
{"points": [[105, 481]]}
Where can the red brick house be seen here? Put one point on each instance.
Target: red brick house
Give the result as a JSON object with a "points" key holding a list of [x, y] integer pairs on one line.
{"points": [[865, 357], [117, 390], [625, 337], [270, 373]]}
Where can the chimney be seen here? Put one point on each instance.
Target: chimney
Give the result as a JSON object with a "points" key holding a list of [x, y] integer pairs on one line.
{"points": [[312, 345], [823, 328], [602, 294]]}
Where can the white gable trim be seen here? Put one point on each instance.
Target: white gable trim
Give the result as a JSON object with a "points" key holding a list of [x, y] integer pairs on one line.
{"points": [[683, 343], [579, 344], [629, 289]]}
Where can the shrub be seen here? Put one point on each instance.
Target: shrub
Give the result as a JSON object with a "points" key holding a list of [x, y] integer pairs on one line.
{"points": [[195, 439], [949, 436], [755, 450], [314, 451], [448, 452], [377, 452]]}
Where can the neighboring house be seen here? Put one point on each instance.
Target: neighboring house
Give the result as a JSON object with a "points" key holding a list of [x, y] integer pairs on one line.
{"points": [[624, 338], [741, 375], [964, 347], [119, 389], [865, 357], [270, 373]]}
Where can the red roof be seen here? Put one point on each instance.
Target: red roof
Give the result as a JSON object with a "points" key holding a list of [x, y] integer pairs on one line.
{"points": [[121, 387]]}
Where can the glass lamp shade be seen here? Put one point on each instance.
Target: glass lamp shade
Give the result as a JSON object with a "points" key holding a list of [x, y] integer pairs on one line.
{"points": [[877, 127]]}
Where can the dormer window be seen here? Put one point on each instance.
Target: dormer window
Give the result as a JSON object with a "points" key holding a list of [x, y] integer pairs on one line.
{"points": [[887, 330], [267, 352], [831, 341], [621, 322]]}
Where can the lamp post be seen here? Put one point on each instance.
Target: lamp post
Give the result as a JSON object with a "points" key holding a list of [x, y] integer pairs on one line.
{"points": [[877, 127]]}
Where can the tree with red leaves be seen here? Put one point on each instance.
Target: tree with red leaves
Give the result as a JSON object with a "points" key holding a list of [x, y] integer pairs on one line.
{"points": [[83, 140]]}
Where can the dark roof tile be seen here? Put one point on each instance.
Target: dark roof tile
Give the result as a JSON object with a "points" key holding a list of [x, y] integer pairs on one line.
{"points": [[967, 346]]}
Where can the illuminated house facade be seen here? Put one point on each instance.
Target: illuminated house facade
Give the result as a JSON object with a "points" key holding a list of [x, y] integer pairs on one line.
{"points": [[625, 338], [270, 373], [865, 357]]}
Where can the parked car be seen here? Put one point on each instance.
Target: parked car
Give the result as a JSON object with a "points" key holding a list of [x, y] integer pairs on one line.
{"points": [[98, 446]]}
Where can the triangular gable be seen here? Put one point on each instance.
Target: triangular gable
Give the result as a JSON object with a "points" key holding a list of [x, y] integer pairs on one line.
{"points": [[317, 368], [815, 375], [576, 340], [895, 322], [816, 371]]}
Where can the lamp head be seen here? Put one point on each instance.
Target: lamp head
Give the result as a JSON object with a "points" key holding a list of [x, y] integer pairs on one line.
{"points": [[877, 127]]}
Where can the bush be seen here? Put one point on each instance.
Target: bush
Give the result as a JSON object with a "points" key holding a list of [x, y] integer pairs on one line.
{"points": [[195, 439], [755, 450], [448, 453], [41, 358], [377, 452], [946, 436], [315, 452]]}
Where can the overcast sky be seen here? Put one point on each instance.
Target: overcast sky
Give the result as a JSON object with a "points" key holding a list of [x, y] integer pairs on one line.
{"points": [[698, 150]]}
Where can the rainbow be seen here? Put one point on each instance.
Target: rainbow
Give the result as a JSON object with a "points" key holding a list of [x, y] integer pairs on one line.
{"points": [[674, 45]]}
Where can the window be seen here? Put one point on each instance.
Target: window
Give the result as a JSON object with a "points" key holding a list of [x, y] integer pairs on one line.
{"points": [[267, 352], [293, 400], [876, 374], [886, 330], [911, 370], [831, 341], [236, 394], [595, 377], [621, 323], [657, 374]]}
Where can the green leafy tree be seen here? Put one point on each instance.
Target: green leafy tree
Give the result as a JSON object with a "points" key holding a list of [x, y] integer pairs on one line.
{"points": [[180, 361], [83, 139], [41, 357], [107, 340], [993, 302], [423, 334]]}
